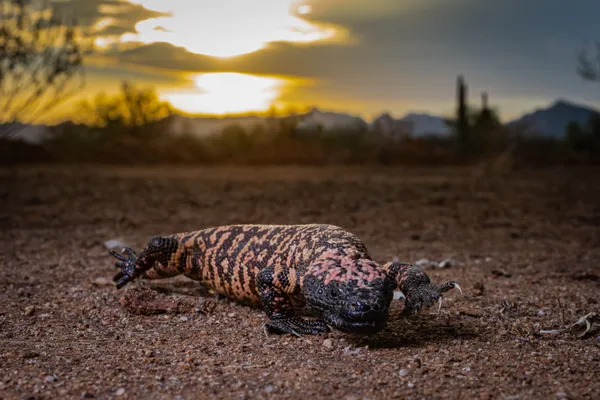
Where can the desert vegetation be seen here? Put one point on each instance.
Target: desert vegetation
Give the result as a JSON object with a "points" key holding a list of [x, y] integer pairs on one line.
{"points": [[132, 128]]}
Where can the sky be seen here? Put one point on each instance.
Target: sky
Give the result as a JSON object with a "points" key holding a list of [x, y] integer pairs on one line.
{"points": [[356, 56]]}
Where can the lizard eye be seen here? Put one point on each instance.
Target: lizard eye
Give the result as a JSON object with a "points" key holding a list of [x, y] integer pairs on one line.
{"points": [[156, 241]]}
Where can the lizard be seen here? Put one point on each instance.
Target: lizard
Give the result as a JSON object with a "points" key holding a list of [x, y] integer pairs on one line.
{"points": [[321, 268]]}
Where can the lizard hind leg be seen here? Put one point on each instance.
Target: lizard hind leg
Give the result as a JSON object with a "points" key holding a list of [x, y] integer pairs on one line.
{"points": [[276, 303]]}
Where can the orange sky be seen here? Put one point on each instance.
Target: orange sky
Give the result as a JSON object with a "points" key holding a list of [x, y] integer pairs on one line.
{"points": [[364, 58]]}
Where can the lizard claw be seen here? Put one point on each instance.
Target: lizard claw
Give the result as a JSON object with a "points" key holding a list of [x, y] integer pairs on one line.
{"points": [[449, 286], [424, 296], [444, 288]]}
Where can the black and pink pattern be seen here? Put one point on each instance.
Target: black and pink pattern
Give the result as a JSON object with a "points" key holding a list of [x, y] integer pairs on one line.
{"points": [[325, 267]]}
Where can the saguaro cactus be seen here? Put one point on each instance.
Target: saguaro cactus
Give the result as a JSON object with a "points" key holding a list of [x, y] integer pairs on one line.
{"points": [[462, 119]]}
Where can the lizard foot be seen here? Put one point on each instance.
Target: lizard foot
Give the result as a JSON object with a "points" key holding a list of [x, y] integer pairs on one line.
{"points": [[127, 264], [296, 326], [424, 296]]}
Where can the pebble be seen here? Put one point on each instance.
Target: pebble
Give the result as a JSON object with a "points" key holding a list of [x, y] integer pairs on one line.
{"points": [[562, 395], [49, 378], [114, 243], [328, 343], [422, 262], [447, 263], [403, 372], [29, 311], [120, 392], [101, 281], [184, 319]]}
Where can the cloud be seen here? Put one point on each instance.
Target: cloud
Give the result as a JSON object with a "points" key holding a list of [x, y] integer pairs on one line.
{"points": [[121, 15], [167, 56], [409, 51]]}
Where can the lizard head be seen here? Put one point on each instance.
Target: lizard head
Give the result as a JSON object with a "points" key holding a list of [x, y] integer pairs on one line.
{"points": [[351, 298]]}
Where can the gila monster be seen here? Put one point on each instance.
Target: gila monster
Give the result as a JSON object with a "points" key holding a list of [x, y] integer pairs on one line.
{"points": [[282, 269]]}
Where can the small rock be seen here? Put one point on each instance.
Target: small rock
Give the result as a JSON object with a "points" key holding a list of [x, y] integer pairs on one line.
{"points": [[470, 312], [515, 397], [541, 313], [120, 392], [269, 388], [87, 395], [422, 262], [101, 281], [45, 315], [484, 396], [114, 243], [49, 378], [184, 319], [350, 351], [562, 396], [328, 343], [447, 263], [403, 372], [29, 310], [500, 273]]}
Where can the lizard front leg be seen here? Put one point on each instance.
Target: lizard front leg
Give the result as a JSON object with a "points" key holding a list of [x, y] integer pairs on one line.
{"points": [[416, 286], [161, 258], [275, 301]]}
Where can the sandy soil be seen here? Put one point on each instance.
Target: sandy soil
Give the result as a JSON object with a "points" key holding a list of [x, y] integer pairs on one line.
{"points": [[527, 250]]}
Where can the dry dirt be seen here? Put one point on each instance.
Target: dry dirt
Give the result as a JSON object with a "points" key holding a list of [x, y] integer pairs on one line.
{"points": [[527, 249]]}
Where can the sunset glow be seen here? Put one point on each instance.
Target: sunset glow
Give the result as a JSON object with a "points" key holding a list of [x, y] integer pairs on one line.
{"points": [[225, 28], [227, 93]]}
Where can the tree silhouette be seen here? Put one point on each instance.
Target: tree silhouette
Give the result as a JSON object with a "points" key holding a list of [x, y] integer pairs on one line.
{"points": [[39, 57], [132, 107]]}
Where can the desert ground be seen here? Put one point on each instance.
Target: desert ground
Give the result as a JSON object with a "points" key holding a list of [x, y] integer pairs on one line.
{"points": [[526, 247]]}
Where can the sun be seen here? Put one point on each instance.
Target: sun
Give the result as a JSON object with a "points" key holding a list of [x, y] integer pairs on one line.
{"points": [[224, 93], [226, 28]]}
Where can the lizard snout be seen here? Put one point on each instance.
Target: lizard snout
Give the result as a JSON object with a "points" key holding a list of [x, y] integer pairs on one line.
{"points": [[362, 310]]}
